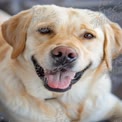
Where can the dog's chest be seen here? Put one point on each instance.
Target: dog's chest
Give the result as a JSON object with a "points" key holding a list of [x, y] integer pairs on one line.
{"points": [[73, 102]]}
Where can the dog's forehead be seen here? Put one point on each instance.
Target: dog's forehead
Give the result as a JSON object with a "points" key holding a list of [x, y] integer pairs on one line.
{"points": [[48, 14], [62, 15]]}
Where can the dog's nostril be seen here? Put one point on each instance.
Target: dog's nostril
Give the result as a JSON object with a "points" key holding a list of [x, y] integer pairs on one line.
{"points": [[72, 56], [58, 54]]}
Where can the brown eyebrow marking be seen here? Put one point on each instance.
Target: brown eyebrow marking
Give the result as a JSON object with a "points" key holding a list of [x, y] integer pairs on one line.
{"points": [[87, 29], [46, 25]]}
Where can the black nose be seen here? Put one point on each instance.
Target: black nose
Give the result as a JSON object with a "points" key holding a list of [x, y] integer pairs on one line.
{"points": [[63, 54]]}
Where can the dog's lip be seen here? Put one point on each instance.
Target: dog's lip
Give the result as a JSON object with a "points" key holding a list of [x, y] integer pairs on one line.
{"points": [[40, 72]]}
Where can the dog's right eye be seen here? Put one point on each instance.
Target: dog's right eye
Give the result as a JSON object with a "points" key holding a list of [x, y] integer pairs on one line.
{"points": [[88, 35], [44, 30]]}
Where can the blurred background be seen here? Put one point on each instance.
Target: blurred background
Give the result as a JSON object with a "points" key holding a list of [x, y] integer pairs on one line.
{"points": [[111, 8]]}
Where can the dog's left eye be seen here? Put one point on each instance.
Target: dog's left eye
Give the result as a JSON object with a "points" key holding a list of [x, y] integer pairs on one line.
{"points": [[88, 36], [45, 30]]}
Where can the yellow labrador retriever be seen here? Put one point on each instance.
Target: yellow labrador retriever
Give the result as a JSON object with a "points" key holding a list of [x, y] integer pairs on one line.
{"points": [[54, 65]]}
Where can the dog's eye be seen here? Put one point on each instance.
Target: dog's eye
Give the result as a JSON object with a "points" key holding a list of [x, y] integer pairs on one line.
{"points": [[88, 36], [45, 30]]}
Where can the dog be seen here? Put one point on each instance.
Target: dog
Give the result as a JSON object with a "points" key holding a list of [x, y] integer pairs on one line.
{"points": [[55, 63]]}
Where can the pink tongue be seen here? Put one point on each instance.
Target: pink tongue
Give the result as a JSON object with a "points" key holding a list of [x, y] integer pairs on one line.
{"points": [[60, 80]]}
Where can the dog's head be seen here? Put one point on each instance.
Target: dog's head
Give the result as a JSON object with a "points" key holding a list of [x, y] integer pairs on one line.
{"points": [[62, 44]]}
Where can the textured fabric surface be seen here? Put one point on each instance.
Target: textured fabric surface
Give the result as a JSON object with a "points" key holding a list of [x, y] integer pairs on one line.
{"points": [[116, 76]]}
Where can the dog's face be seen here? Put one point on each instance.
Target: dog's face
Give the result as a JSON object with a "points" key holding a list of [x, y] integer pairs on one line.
{"points": [[61, 44]]}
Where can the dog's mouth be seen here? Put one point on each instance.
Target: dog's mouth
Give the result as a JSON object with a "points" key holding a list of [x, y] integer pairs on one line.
{"points": [[59, 79]]}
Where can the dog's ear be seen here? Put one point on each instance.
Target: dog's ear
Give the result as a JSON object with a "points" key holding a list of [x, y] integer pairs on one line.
{"points": [[14, 31], [113, 42]]}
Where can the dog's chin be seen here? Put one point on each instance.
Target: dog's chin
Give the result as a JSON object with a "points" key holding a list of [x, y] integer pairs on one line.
{"points": [[58, 79]]}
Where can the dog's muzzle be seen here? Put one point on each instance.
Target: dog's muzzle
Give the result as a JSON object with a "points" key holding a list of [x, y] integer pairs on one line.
{"points": [[61, 77]]}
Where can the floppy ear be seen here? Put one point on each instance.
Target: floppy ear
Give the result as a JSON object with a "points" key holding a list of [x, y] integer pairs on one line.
{"points": [[113, 43], [15, 30]]}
